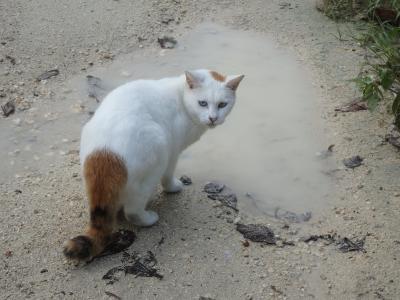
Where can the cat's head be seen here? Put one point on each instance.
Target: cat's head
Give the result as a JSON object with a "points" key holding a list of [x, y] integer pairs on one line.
{"points": [[209, 96]]}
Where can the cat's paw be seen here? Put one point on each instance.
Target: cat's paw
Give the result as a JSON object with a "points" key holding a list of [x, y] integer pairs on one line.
{"points": [[173, 186], [145, 219]]}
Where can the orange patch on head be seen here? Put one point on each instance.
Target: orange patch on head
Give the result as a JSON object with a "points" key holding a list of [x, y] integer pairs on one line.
{"points": [[217, 76]]}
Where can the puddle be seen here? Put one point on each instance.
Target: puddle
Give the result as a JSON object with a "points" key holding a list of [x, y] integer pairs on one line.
{"points": [[266, 150]]}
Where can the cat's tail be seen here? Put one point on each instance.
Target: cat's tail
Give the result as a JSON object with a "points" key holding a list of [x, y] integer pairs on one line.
{"points": [[105, 175]]}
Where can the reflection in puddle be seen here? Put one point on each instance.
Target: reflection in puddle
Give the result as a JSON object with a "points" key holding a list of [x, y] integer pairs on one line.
{"points": [[266, 149]]}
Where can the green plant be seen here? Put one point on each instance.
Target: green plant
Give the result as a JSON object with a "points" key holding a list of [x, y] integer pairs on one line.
{"points": [[393, 4], [339, 9], [380, 79]]}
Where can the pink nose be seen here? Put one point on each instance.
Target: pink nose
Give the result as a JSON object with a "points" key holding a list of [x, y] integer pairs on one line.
{"points": [[212, 119]]}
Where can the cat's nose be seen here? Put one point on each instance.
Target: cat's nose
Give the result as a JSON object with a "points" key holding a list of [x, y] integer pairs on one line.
{"points": [[212, 119]]}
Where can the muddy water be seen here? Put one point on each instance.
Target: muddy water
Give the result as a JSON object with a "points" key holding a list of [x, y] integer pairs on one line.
{"points": [[265, 151]]}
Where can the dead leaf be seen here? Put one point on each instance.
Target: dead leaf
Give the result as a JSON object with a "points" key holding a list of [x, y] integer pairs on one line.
{"points": [[353, 106], [48, 74], [393, 136], [353, 162], [257, 233], [8, 108], [167, 42]]}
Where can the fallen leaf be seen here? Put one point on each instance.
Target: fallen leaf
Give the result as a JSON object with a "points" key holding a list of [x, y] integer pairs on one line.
{"points": [[120, 241], [353, 106], [112, 295], [229, 200], [353, 162], [213, 187], [167, 42], [48, 74], [96, 89], [141, 266], [186, 180], [291, 216], [393, 136], [8, 108], [257, 233]]}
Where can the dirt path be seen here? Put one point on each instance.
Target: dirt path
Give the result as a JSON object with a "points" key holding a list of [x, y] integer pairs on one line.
{"points": [[201, 253]]}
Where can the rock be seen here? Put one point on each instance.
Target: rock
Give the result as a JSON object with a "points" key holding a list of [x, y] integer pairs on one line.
{"points": [[17, 121], [237, 220], [167, 19], [11, 59], [107, 55], [22, 104]]}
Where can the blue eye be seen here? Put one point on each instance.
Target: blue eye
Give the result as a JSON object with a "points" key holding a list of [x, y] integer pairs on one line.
{"points": [[203, 103], [222, 104]]}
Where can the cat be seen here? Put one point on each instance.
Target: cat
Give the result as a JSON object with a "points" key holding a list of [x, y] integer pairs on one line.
{"points": [[133, 141]]}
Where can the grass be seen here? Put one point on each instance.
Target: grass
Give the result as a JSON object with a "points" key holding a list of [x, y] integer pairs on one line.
{"points": [[379, 79]]}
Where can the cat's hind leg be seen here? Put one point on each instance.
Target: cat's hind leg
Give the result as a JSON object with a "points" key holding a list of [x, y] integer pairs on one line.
{"points": [[170, 183], [136, 197]]}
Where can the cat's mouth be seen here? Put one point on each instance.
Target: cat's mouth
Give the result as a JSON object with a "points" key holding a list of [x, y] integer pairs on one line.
{"points": [[212, 125]]}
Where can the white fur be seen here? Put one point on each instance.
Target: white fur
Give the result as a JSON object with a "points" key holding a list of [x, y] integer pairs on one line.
{"points": [[149, 123]]}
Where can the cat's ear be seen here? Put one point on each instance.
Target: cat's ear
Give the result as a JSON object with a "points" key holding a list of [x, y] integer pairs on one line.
{"points": [[233, 82], [193, 80]]}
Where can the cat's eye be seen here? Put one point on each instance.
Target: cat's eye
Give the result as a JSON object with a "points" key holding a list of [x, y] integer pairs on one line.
{"points": [[203, 103], [222, 104]]}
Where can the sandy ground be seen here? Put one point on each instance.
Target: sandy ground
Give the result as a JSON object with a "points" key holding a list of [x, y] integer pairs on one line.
{"points": [[42, 200]]}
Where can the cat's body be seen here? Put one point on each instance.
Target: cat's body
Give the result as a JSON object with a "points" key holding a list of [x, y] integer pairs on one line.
{"points": [[133, 142]]}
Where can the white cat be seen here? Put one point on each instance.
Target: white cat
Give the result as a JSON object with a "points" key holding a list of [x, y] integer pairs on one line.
{"points": [[133, 142]]}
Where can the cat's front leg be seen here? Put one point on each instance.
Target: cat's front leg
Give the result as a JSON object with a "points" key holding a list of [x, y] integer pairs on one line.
{"points": [[170, 183]]}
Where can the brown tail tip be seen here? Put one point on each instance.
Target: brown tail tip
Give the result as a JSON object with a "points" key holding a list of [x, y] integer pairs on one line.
{"points": [[79, 247]]}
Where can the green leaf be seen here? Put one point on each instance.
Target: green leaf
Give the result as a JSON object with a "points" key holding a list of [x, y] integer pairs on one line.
{"points": [[396, 106], [372, 101], [397, 121], [387, 78]]}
